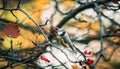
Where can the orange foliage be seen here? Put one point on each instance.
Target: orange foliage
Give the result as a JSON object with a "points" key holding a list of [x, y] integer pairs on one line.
{"points": [[24, 38], [95, 26], [75, 66], [82, 25], [3, 63], [33, 8], [68, 3]]}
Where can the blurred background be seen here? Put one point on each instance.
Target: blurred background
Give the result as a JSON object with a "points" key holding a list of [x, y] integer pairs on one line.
{"points": [[84, 29]]}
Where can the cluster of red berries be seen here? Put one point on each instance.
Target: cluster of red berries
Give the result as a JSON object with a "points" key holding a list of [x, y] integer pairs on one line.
{"points": [[89, 61], [87, 52]]}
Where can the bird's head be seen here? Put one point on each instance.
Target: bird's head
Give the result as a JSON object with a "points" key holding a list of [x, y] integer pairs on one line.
{"points": [[61, 32]]}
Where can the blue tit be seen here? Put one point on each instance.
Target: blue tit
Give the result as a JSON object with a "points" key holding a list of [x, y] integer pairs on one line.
{"points": [[62, 33]]}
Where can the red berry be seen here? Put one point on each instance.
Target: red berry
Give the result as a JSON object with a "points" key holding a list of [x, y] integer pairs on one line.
{"points": [[43, 58], [43, 28], [92, 61], [88, 61], [85, 52], [56, 28], [89, 53]]}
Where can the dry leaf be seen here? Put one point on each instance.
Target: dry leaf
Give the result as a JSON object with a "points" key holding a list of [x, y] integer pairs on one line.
{"points": [[12, 30]]}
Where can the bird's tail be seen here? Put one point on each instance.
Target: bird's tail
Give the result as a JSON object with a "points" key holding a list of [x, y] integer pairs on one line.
{"points": [[73, 48]]}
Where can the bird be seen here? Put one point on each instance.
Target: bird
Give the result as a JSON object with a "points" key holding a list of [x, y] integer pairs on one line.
{"points": [[65, 37]]}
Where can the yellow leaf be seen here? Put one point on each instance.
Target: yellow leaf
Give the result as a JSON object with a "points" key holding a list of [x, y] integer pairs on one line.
{"points": [[24, 38], [81, 25], [68, 3], [22, 66], [95, 26]]}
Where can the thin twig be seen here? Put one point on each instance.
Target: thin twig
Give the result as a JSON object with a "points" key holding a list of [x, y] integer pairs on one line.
{"points": [[2, 13], [19, 2], [58, 60], [34, 23], [57, 8], [101, 35], [77, 10], [14, 16]]}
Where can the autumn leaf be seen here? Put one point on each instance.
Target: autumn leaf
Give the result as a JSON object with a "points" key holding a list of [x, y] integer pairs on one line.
{"points": [[81, 25], [75, 66], [12, 30]]}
